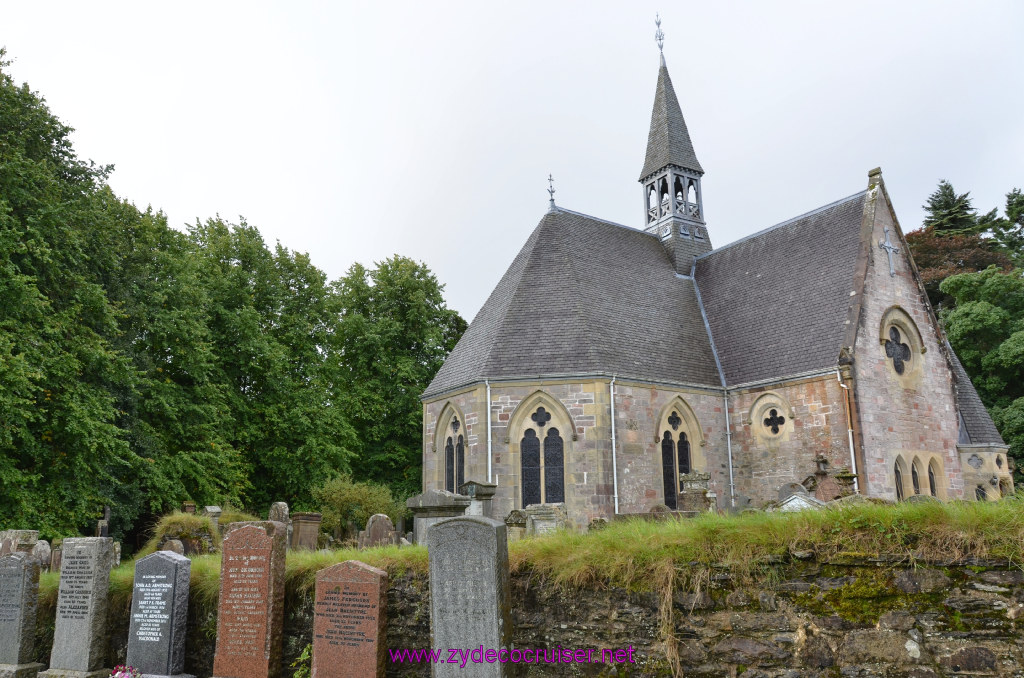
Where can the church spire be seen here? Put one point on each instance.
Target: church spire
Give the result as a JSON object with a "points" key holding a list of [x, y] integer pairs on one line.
{"points": [[671, 176]]}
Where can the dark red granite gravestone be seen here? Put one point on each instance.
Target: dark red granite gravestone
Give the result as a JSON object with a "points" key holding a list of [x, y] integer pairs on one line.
{"points": [[349, 621], [250, 614]]}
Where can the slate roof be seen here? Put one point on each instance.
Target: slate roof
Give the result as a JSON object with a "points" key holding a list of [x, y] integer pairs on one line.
{"points": [[980, 428], [585, 296], [668, 142], [753, 288]]}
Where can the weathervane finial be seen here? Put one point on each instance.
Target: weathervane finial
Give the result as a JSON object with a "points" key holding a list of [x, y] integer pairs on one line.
{"points": [[551, 192], [659, 35]]}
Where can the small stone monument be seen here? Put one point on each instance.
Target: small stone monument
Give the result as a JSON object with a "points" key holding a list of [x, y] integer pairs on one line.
{"points": [[19, 596], [693, 494], [214, 513], [480, 495], [544, 518], [515, 524], [188, 507], [379, 532], [305, 530], [174, 546], [432, 506], [156, 638], [470, 604], [79, 636], [250, 614], [279, 514], [42, 552], [349, 621], [55, 558], [19, 541]]}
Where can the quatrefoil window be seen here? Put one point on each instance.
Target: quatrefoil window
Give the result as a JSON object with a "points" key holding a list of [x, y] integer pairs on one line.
{"points": [[674, 421], [774, 421], [455, 425], [541, 416], [898, 351]]}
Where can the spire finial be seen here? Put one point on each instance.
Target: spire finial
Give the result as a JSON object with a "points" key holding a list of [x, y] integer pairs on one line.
{"points": [[551, 192], [659, 37]]}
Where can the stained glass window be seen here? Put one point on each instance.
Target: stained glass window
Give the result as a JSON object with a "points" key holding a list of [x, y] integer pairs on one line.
{"points": [[554, 468], [931, 481], [530, 471], [915, 479], [899, 352], [774, 421], [460, 463], [668, 469], [899, 482], [449, 465], [684, 454]]}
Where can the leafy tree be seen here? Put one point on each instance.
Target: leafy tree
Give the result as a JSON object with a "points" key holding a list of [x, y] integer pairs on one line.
{"points": [[986, 329], [342, 500], [939, 255], [394, 335], [1007, 232]]}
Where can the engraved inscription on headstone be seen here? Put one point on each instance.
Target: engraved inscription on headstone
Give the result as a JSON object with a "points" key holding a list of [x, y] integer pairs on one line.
{"points": [[349, 621], [80, 630], [156, 637], [251, 609], [19, 593], [469, 591]]}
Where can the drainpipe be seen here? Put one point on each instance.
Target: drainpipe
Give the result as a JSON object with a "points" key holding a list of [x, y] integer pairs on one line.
{"points": [[615, 470], [488, 384], [728, 448], [849, 430]]}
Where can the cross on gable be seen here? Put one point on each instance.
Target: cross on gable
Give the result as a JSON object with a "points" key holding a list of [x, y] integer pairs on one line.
{"points": [[774, 421], [899, 352], [890, 250], [541, 416]]}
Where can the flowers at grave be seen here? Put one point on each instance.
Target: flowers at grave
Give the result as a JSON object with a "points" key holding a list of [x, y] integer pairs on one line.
{"points": [[124, 671]]}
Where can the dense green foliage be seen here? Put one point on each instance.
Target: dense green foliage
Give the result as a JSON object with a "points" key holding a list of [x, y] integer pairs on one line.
{"points": [[141, 366], [343, 501]]}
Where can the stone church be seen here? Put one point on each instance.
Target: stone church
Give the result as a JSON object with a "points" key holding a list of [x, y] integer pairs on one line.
{"points": [[612, 365]]}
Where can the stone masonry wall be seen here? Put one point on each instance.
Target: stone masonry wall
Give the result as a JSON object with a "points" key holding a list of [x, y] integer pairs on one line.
{"points": [[913, 415], [851, 616]]}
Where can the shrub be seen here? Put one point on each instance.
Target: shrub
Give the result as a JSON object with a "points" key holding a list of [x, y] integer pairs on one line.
{"points": [[343, 500]]}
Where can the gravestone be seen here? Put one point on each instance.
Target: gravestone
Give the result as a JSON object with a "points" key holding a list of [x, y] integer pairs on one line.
{"points": [[174, 546], [432, 506], [41, 552], [515, 524], [19, 541], [470, 604], [79, 636], [789, 489], [250, 616], [379, 532], [279, 513], [693, 493], [544, 518], [349, 620], [188, 507], [19, 595], [305, 530], [214, 513], [156, 637], [55, 558], [480, 496]]}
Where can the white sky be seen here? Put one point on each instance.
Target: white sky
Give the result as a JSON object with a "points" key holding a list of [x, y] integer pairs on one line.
{"points": [[357, 130]]}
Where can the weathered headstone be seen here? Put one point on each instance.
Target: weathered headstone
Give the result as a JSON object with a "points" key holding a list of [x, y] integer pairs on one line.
{"points": [[156, 636], [379, 532], [19, 541], [470, 603], [214, 513], [349, 620], [41, 552], [250, 617], [55, 558], [432, 506], [278, 512], [79, 636], [305, 530], [693, 492], [188, 507], [19, 595], [544, 518], [174, 546], [515, 524], [480, 495]]}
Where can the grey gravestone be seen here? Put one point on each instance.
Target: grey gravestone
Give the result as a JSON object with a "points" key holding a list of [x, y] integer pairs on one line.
{"points": [[379, 532], [789, 489], [544, 518], [42, 552], [174, 546], [279, 513], [19, 594], [469, 591], [432, 506], [214, 513], [156, 638], [79, 636], [19, 541], [480, 495]]}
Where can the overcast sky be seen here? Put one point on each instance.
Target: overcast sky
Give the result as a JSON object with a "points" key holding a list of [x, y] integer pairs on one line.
{"points": [[358, 130]]}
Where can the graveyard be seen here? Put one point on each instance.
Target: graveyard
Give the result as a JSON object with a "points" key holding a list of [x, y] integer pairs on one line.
{"points": [[927, 586]]}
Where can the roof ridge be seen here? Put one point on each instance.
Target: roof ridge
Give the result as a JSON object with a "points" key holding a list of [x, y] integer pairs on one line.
{"points": [[603, 221], [787, 222]]}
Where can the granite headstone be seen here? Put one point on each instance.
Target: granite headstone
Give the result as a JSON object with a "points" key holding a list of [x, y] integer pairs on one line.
{"points": [[250, 616], [19, 595], [470, 604], [379, 532], [156, 636], [79, 636], [349, 620]]}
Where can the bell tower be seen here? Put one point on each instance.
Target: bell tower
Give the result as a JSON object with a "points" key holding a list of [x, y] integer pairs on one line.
{"points": [[673, 207]]}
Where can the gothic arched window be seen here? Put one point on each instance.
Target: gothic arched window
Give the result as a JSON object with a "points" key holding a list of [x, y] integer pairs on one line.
{"points": [[915, 479], [980, 494], [931, 480], [530, 450], [554, 468], [668, 468], [449, 465], [684, 453], [460, 462], [899, 481]]}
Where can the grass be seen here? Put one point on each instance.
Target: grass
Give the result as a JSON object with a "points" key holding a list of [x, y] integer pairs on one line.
{"points": [[178, 525], [641, 555]]}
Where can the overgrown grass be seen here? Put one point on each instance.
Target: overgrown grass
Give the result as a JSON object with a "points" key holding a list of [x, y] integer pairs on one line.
{"points": [[180, 524], [636, 554], [643, 555]]}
